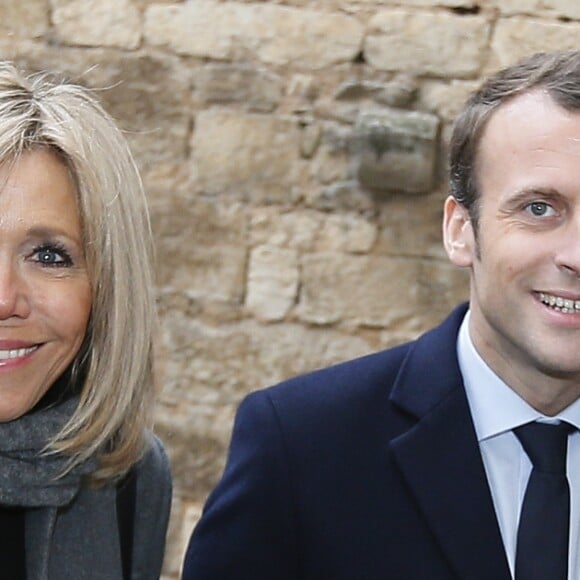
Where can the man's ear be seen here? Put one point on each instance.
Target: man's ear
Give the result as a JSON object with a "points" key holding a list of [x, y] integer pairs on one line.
{"points": [[458, 234]]}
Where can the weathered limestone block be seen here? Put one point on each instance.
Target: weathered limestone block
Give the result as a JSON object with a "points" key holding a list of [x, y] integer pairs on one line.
{"points": [[433, 43], [330, 164], [274, 34], [376, 291], [342, 112], [24, 19], [297, 229], [272, 282], [562, 8], [304, 86], [251, 155], [197, 454], [150, 95], [515, 38], [341, 196], [201, 249], [395, 150], [97, 22], [212, 368], [426, 3], [399, 92], [144, 3], [411, 226], [310, 140], [445, 99], [308, 230], [346, 233], [257, 88]]}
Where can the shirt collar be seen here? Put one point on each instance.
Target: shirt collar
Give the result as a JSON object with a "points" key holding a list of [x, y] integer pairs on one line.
{"points": [[495, 407]]}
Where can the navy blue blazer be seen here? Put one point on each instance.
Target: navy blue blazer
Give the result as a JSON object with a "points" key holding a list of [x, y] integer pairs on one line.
{"points": [[366, 470]]}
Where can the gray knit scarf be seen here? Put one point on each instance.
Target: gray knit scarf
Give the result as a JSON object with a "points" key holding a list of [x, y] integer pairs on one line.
{"points": [[29, 476]]}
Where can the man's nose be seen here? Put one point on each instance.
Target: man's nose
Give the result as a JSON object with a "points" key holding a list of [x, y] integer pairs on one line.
{"points": [[14, 291]]}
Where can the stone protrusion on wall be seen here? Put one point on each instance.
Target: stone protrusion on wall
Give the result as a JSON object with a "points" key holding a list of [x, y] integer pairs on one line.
{"points": [[399, 92], [395, 150]]}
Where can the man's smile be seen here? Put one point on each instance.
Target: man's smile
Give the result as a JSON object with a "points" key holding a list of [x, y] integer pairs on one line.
{"points": [[560, 304]]}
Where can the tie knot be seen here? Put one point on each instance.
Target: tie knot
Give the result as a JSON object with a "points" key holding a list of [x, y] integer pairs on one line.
{"points": [[546, 445]]}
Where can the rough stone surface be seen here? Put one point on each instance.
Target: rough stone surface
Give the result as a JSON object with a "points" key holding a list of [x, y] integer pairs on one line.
{"points": [[562, 8], [445, 99], [342, 196], [199, 248], [425, 3], [308, 231], [221, 364], [24, 19], [396, 93], [515, 38], [249, 155], [285, 36], [156, 118], [97, 22], [298, 230], [259, 90], [367, 290], [272, 282], [436, 43], [411, 226], [396, 150], [346, 233]]}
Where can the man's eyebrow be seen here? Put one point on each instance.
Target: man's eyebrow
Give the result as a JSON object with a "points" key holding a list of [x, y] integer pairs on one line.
{"points": [[547, 192]]}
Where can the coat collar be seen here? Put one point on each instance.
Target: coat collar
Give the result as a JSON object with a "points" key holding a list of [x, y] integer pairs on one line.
{"points": [[439, 456]]}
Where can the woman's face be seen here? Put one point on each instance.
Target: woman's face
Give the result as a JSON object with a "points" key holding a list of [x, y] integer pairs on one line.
{"points": [[45, 294]]}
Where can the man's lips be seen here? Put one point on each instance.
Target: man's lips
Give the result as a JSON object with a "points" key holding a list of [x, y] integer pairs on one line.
{"points": [[560, 303]]}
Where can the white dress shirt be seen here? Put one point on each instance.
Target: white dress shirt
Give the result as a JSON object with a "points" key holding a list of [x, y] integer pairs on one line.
{"points": [[496, 410]]}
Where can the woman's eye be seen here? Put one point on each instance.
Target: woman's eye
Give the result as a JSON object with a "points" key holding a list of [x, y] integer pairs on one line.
{"points": [[540, 209], [52, 256]]}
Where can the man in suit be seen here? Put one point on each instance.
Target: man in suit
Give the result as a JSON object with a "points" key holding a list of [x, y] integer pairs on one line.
{"points": [[408, 464]]}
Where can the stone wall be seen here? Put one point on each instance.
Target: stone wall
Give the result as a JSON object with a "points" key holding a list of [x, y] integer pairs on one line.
{"points": [[294, 157]]}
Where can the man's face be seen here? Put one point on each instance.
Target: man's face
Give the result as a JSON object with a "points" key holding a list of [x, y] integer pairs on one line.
{"points": [[525, 278]]}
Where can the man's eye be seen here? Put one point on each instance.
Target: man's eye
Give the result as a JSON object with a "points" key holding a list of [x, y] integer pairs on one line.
{"points": [[540, 209]]}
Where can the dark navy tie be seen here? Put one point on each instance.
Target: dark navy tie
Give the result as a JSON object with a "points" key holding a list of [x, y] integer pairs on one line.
{"points": [[543, 531]]}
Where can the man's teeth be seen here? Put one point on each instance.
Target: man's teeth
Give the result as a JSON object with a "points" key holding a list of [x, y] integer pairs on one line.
{"points": [[560, 304], [16, 353]]}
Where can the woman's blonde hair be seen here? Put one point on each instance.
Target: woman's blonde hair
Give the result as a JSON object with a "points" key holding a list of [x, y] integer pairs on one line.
{"points": [[115, 363]]}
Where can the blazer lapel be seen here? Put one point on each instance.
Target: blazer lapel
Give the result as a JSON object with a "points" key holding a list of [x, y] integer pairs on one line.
{"points": [[440, 459]]}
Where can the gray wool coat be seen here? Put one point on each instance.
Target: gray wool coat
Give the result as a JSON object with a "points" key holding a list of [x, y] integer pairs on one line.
{"points": [[81, 540]]}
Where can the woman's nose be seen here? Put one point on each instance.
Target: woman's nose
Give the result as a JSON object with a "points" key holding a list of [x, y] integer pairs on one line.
{"points": [[14, 292]]}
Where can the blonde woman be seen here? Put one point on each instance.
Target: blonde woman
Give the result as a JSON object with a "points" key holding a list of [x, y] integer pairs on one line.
{"points": [[85, 488]]}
